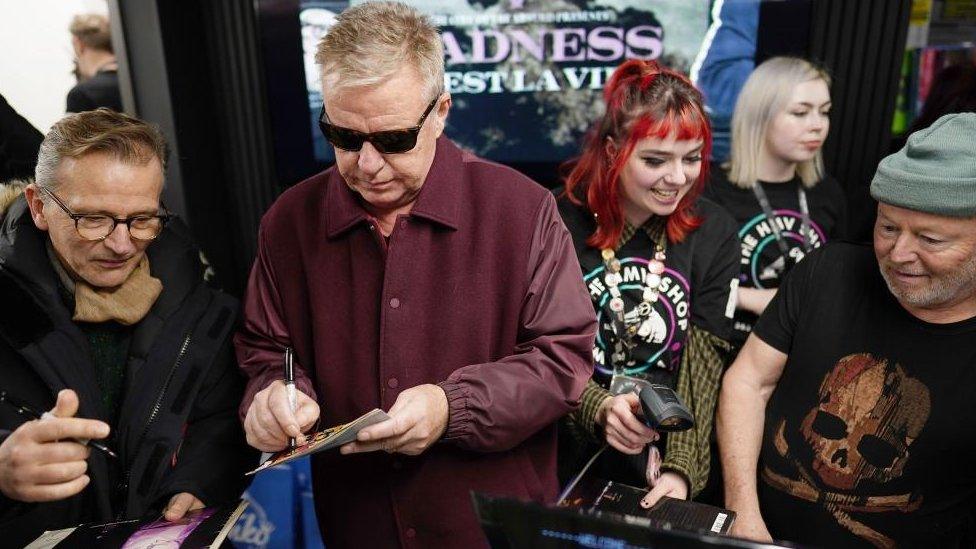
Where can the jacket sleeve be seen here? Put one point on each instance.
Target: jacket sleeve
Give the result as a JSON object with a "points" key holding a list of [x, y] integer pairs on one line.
{"points": [[214, 454], [261, 341], [583, 420], [725, 64], [495, 406]]}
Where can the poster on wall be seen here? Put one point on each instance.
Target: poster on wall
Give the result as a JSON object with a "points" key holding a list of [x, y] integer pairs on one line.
{"points": [[526, 75]]}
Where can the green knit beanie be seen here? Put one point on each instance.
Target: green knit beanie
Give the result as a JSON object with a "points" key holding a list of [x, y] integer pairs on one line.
{"points": [[935, 172]]}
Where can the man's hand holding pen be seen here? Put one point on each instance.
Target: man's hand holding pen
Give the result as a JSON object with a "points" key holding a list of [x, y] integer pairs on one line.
{"points": [[270, 420], [42, 460]]}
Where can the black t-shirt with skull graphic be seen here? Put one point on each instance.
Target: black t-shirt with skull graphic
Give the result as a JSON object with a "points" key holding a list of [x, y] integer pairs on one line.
{"points": [[870, 435], [695, 289], [761, 263]]}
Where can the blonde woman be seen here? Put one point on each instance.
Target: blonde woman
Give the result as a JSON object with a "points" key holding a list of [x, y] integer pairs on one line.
{"points": [[774, 184]]}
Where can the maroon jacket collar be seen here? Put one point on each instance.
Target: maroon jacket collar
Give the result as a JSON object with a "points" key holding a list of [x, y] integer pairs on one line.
{"points": [[438, 201]]}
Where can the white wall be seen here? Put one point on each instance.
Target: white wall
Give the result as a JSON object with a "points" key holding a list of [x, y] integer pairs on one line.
{"points": [[36, 56]]}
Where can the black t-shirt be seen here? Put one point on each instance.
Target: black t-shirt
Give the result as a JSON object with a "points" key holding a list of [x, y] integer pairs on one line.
{"points": [[101, 90], [695, 288], [870, 435], [761, 263]]}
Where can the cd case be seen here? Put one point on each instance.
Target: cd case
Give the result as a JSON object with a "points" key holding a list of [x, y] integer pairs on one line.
{"points": [[620, 501]]}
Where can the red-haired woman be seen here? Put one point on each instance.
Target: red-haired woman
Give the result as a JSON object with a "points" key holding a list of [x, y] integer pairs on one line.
{"points": [[659, 262]]}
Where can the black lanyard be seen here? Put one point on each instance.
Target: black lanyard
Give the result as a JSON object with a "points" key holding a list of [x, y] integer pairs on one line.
{"points": [[784, 248]]}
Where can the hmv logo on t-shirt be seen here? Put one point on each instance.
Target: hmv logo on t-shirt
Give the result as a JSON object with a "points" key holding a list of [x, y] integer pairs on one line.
{"points": [[762, 261], [669, 317]]}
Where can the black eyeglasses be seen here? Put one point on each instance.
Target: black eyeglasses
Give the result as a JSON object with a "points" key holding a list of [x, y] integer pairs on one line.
{"points": [[387, 141], [95, 227]]}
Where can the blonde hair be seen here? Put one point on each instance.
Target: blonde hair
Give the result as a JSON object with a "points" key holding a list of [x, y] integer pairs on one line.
{"points": [[93, 30], [765, 94], [372, 41], [99, 131]]}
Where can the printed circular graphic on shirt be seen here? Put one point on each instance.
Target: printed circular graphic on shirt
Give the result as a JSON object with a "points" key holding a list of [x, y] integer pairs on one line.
{"points": [[668, 316], [762, 263]]}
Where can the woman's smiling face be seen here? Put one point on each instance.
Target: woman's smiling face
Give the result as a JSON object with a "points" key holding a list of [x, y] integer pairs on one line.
{"points": [[657, 176]]}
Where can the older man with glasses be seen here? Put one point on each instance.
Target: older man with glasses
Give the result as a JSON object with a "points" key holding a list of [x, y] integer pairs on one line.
{"points": [[107, 323], [415, 278]]}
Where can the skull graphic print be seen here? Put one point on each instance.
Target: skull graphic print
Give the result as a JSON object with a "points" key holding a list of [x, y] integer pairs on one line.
{"points": [[859, 437], [869, 414]]}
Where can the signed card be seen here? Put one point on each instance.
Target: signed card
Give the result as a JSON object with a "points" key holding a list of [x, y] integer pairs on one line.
{"points": [[333, 437]]}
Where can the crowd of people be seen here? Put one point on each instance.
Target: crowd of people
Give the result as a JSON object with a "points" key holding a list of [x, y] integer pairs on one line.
{"points": [[506, 329]]}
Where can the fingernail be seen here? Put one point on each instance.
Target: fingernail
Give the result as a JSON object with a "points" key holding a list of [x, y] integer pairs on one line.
{"points": [[363, 435]]}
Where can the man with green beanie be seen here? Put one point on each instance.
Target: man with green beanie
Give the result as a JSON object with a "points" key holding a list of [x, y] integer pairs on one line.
{"points": [[847, 420]]}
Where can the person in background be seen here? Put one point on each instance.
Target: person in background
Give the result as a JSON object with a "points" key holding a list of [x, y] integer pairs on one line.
{"points": [[774, 184], [724, 64], [416, 278], [97, 70], [847, 419], [660, 263], [107, 323]]}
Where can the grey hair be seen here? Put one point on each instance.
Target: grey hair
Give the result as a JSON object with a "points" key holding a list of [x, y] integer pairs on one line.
{"points": [[765, 94], [371, 42], [100, 131]]}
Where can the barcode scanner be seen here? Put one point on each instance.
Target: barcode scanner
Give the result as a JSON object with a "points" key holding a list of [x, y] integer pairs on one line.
{"points": [[663, 409]]}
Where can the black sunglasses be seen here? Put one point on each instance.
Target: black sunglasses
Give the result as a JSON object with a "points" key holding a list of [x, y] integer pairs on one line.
{"points": [[387, 141]]}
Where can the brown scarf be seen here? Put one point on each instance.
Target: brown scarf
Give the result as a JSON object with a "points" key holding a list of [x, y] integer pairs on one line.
{"points": [[125, 304]]}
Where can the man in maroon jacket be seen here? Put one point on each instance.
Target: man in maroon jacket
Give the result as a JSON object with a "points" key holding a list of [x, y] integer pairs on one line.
{"points": [[419, 279]]}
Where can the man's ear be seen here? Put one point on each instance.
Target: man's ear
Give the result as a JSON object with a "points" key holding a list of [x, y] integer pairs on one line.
{"points": [[77, 45], [35, 201], [441, 112]]}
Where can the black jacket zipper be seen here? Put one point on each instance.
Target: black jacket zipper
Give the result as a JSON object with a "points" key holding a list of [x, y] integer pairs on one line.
{"points": [[124, 486]]}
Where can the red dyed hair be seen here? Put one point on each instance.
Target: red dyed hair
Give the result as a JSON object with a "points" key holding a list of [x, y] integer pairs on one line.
{"points": [[643, 100]]}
